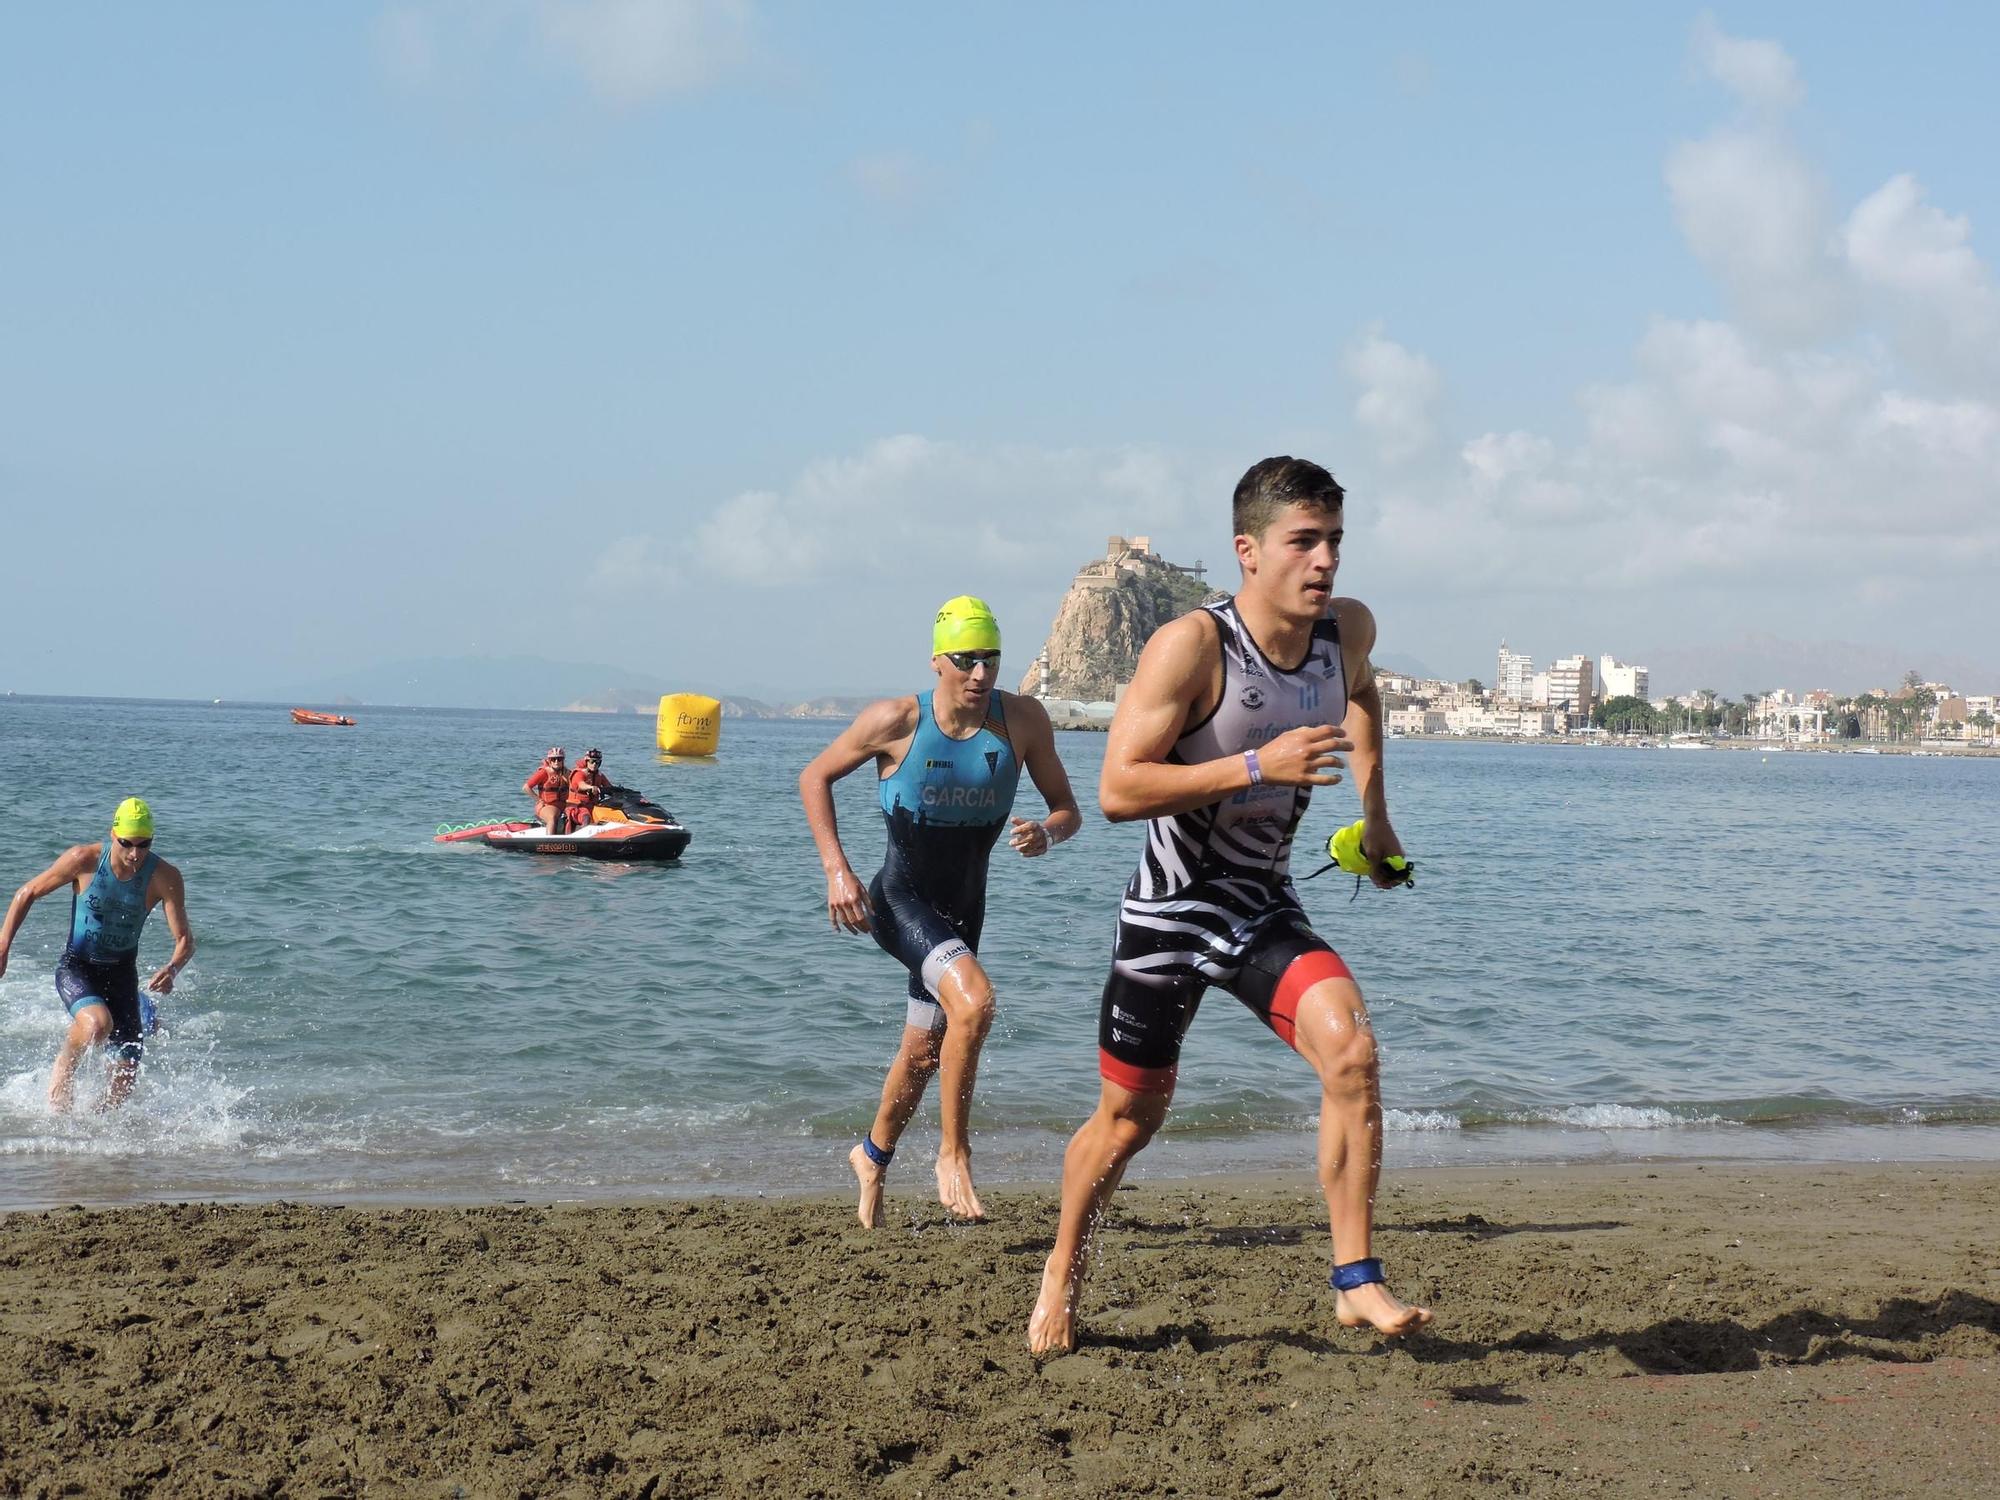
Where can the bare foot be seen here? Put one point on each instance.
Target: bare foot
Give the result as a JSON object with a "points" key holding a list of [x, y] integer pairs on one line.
{"points": [[1373, 1306], [1052, 1325], [869, 1209], [954, 1179]]}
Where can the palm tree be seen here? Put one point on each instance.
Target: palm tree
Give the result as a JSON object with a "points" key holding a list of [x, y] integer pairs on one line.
{"points": [[1864, 714]]}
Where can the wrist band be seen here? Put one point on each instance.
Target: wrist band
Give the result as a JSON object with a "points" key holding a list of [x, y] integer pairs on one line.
{"points": [[1250, 760]]}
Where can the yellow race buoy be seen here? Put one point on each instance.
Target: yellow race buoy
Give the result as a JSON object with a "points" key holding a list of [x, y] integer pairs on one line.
{"points": [[690, 724]]}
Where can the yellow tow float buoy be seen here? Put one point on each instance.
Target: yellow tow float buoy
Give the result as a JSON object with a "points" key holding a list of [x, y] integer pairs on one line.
{"points": [[690, 724]]}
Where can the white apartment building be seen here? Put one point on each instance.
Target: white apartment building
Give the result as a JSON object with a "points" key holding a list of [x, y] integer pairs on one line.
{"points": [[1418, 721], [1515, 677], [1519, 722], [1621, 680], [1571, 682]]}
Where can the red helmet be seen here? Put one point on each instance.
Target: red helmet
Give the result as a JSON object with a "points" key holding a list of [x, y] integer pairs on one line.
{"points": [[555, 753]]}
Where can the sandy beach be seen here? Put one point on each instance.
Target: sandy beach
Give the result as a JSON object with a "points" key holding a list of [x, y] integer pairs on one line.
{"points": [[1632, 1330]]}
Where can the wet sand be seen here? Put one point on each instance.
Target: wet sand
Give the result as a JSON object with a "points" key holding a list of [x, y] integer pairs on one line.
{"points": [[1601, 1330]]}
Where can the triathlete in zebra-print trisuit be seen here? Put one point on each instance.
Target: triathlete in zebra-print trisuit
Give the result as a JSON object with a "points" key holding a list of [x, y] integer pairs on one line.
{"points": [[1212, 901]]}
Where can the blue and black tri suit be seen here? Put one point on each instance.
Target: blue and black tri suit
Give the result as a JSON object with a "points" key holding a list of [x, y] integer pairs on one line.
{"points": [[100, 965], [945, 805]]}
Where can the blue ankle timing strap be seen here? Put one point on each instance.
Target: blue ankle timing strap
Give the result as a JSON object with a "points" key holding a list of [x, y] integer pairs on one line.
{"points": [[876, 1154], [1357, 1273]]}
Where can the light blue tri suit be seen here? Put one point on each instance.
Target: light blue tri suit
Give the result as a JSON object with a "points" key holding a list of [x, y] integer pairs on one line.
{"points": [[100, 964], [945, 804]]}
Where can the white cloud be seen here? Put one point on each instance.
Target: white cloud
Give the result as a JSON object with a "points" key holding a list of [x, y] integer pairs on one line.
{"points": [[1398, 396], [1760, 73], [404, 45], [626, 52], [634, 51], [1772, 447], [1756, 215], [1750, 205], [1941, 299], [896, 179], [634, 566], [1717, 458], [909, 505]]}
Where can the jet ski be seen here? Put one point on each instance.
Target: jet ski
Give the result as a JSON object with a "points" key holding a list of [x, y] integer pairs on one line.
{"points": [[623, 826]]}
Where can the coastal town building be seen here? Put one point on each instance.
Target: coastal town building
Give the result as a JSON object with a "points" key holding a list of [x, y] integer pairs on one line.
{"points": [[1558, 703], [1418, 721], [1505, 722], [1571, 685], [1622, 680], [1780, 716], [1514, 679]]}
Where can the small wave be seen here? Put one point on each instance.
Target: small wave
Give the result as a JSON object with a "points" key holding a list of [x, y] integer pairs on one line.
{"points": [[194, 1120], [1615, 1117], [1419, 1119], [675, 1117]]}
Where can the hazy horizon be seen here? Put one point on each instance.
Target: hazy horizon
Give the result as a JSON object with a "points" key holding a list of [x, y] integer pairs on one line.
{"points": [[720, 340]]}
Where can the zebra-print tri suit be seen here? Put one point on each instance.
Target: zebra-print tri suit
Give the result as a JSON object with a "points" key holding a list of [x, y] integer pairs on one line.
{"points": [[1212, 901]]}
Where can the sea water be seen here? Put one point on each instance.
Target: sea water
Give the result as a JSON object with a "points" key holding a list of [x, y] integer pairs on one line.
{"points": [[1608, 953]]}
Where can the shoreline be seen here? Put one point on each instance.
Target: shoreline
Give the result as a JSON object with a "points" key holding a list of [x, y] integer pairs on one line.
{"points": [[1616, 1329], [1027, 1163]]}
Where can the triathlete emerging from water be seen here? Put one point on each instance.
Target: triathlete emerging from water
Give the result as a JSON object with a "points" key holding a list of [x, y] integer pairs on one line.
{"points": [[113, 886], [948, 762], [1236, 712]]}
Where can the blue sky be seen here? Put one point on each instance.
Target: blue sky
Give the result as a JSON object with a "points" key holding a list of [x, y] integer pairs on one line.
{"points": [[719, 340]]}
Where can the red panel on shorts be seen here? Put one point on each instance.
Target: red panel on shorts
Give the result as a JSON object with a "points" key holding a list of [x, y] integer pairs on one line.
{"points": [[1301, 974], [1138, 1080]]}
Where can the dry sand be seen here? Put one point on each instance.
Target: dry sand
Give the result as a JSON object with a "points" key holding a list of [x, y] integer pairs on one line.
{"points": [[1630, 1330]]}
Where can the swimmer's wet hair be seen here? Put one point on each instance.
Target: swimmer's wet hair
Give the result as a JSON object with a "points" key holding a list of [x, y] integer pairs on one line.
{"points": [[1270, 485]]}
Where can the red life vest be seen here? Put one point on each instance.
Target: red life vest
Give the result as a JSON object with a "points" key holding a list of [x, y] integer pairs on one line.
{"points": [[550, 784], [585, 787]]}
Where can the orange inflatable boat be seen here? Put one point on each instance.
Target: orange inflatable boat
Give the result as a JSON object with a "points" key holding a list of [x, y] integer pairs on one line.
{"points": [[307, 716]]}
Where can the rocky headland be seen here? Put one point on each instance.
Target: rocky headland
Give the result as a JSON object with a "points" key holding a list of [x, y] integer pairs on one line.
{"points": [[1112, 608]]}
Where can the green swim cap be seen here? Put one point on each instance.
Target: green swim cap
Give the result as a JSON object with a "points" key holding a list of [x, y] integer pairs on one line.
{"points": [[965, 624], [133, 820]]}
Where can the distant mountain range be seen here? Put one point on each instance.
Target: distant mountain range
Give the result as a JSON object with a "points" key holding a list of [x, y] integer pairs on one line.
{"points": [[1752, 663], [471, 682], [1759, 663], [529, 682], [1397, 661]]}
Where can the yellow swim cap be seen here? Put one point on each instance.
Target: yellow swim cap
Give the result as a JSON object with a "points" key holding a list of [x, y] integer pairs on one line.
{"points": [[133, 820], [965, 624]]}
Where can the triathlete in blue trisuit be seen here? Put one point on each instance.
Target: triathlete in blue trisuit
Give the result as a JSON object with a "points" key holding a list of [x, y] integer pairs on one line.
{"points": [[948, 762], [113, 886]]}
